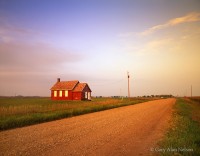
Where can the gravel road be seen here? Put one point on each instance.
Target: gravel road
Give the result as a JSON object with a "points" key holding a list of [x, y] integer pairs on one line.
{"points": [[131, 130]]}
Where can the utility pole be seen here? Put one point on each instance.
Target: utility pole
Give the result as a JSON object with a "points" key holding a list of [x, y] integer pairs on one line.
{"points": [[191, 90], [121, 96], [128, 85]]}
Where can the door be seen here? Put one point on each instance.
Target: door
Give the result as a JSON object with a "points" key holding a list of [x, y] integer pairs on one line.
{"points": [[86, 95]]}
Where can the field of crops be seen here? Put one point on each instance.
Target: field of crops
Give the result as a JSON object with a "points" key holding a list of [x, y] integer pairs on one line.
{"points": [[22, 111]]}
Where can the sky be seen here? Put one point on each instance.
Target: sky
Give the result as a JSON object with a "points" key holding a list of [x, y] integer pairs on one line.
{"points": [[98, 42]]}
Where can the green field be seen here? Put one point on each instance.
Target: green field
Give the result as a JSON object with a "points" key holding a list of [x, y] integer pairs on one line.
{"points": [[23, 111], [183, 137]]}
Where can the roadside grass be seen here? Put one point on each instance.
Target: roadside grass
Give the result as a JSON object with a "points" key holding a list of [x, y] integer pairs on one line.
{"points": [[183, 137], [195, 104], [195, 99], [19, 112]]}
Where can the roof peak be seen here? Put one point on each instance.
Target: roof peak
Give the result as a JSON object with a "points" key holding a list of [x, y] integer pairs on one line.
{"points": [[71, 81], [73, 85], [66, 85]]}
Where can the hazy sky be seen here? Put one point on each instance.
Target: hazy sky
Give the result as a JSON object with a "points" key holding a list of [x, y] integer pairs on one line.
{"points": [[98, 41]]}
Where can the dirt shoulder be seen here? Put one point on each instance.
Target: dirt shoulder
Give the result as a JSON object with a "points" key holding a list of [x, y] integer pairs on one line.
{"points": [[130, 130]]}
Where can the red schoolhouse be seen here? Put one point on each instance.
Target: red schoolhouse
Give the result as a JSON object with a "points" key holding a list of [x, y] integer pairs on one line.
{"points": [[70, 90]]}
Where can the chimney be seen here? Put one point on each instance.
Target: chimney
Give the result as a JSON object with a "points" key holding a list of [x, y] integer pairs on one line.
{"points": [[58, 79]]}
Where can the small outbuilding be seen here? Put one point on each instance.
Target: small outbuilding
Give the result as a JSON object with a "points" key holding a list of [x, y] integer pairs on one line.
{"points": [[70, 90]]}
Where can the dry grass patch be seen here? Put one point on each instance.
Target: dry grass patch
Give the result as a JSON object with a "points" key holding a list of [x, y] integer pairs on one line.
{"points": [[18, 112]]}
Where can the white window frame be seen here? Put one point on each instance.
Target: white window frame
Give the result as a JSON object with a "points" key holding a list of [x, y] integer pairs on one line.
{"points": [[66, 93], [60, 93], [55, 93]]}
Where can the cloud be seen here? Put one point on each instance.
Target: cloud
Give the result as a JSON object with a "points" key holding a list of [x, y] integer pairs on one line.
{"points": [[31, 69], [36, 57], [182, 39], [11, 33], [29, 65], [23, 50], [191, 17], [187, 36]]}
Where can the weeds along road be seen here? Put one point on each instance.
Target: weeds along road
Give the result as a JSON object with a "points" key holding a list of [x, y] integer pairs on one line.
{"points": [[130, 130]]}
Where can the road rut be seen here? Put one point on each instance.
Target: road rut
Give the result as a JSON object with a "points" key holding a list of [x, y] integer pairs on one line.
{"points": [[130, 130]]}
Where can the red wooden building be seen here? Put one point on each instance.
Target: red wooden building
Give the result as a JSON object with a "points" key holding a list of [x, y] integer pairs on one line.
{"points": [[70, 90]]}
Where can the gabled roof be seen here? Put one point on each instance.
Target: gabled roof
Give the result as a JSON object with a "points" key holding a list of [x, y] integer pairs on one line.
{"points": [[65, 85], [80, 87]]}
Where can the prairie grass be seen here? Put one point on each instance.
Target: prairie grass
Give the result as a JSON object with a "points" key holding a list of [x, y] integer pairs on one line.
{"points": [[183, 137], [18, 112]]}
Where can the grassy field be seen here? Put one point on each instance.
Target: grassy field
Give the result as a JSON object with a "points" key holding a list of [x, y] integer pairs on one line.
{"points": [[183, 138], [23, 111]]}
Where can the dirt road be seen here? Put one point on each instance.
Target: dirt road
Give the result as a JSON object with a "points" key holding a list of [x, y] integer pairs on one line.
{"points": [[130, 130]]}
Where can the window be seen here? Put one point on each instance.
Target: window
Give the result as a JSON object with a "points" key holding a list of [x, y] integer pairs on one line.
{"points": [[55, 93], [60, 93], [86, 95], [66, 93]]}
